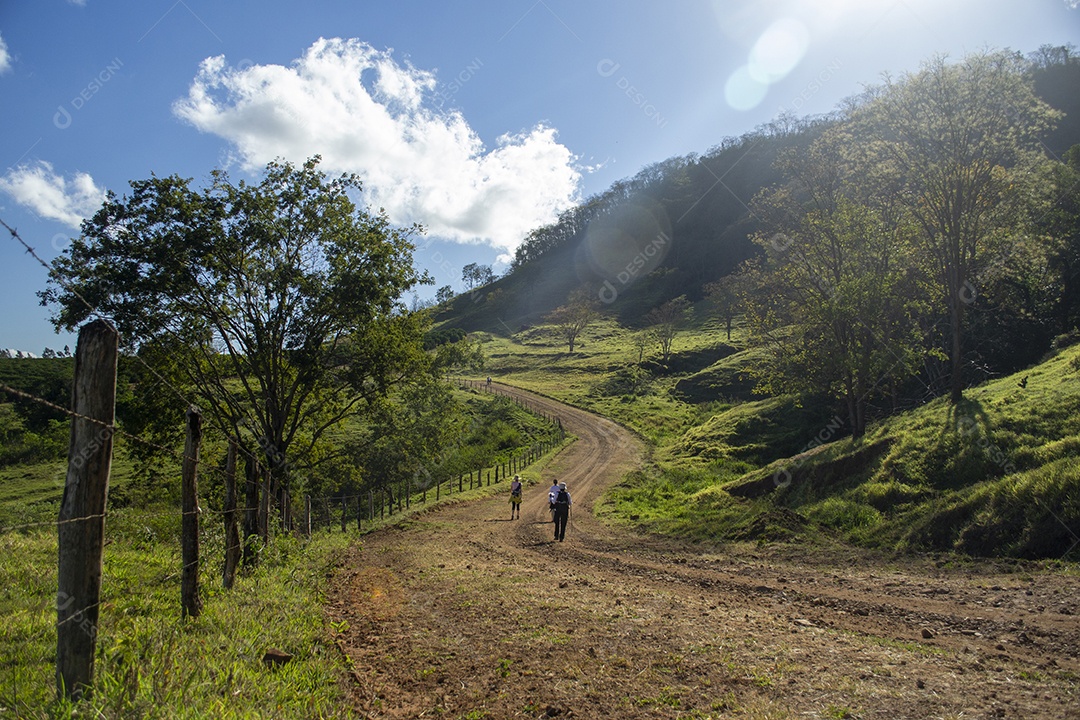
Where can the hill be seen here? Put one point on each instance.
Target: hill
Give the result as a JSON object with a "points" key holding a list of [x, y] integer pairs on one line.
{"points": [[684, 222], [668, 231], [817, 419], [995, 476]]}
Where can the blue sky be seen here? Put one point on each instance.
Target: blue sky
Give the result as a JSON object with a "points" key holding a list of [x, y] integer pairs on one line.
{"points": [[479, 120]]}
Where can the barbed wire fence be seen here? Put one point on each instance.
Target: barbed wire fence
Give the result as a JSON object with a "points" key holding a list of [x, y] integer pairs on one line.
{"points": [[80, 525]]}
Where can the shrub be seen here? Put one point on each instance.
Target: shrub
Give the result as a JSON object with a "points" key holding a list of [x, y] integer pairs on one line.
{"points": [[842, 514]]}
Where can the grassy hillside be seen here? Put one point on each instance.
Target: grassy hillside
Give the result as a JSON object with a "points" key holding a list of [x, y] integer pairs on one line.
{"points": [[997, 475]]}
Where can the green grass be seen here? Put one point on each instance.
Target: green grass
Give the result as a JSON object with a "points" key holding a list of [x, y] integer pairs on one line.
{"points": [[995, 475], [150, 662], [535, 359], [32, 493]]}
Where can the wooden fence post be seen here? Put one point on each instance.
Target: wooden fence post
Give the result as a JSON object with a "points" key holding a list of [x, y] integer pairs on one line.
{"points": [[190, 601], [251, 508], [232, 531], [307, 515], [81, 528], [285, 509], [264, 505]]}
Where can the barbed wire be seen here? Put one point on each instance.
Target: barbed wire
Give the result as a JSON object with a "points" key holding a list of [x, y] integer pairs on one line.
{"points": [[91, 308], [220, 471], [318, 512]]}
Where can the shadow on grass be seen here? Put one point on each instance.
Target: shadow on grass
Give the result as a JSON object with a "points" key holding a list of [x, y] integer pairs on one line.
{"points": [[968, 417]]}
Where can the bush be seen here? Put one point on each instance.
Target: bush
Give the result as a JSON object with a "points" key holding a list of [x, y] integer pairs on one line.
{"points": [[21, 445], [887, 495], [843, 515]]}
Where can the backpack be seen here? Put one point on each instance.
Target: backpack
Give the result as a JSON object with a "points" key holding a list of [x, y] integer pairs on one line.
{"points": [[563, 498]]}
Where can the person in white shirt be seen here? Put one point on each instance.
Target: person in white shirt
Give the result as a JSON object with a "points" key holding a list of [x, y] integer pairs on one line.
{"points": [[552, 492]]}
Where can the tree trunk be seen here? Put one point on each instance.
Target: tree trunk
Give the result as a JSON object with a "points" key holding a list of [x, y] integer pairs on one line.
{"points": [[956, 322]]}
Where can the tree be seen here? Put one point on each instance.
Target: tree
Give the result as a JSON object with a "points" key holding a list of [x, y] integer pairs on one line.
{"points": [[476, 275], [949, 137], [571, 319], [444, 294], [458, 353], [1062, 222], [1051, 55], [276, 303], [841, 319], [726, 296], [665, 322], [408, 437], [640, 341]]}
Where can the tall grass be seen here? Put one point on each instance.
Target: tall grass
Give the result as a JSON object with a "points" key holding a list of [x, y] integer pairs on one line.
{"points": [[150, 662]]}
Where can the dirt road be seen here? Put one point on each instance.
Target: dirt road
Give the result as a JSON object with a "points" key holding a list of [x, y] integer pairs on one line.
{"points": [[463, 613]]}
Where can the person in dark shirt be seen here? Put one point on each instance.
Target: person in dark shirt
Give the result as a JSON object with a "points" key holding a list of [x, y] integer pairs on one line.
{"points": [[515, 498], [562, 511]]}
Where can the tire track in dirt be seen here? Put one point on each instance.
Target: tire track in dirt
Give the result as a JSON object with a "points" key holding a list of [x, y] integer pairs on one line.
{"points": [[463, 613]]}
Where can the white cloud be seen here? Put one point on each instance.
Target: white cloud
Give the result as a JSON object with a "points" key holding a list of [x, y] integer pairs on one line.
{"points": [[53, 196], [5, 57], [365, 113]]}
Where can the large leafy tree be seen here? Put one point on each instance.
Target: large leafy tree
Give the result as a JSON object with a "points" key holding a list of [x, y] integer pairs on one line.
{"points": [[1062, 222], [407, 443], [840, 315], [955, 139], [277, 303]]}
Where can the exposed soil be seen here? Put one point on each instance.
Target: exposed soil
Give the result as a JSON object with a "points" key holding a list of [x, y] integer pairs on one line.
{"points": [[463, 613]]}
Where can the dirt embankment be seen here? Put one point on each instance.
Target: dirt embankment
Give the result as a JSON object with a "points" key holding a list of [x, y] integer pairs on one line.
{"points": [[467, 614]]}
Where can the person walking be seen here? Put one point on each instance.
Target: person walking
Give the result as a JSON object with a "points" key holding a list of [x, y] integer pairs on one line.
{"points": [[515, 498], [552, 492], [562, 511]]}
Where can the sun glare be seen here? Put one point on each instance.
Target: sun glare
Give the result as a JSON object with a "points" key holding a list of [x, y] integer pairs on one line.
{"points": [[776, 53], [778, 50]]}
